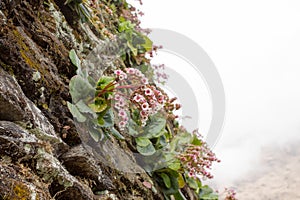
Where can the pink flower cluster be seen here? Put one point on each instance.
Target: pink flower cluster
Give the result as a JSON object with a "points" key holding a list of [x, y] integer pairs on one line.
{"points": [[161, 76], [230, 194], [120, 105], [132, 75], [148, 100], [197, 160]]}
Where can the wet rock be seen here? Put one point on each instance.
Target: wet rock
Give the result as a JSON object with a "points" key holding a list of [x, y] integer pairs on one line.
{"points": [[81, 163], [19, 182], [15, 106]]}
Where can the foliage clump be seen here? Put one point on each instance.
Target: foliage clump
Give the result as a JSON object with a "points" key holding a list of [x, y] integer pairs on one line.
{"points": [[125, 102]]}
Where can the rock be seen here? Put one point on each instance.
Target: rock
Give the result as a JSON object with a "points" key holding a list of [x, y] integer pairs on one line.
{"points": [[42, 155], [81, 163], [19, 182], [15, 106]]}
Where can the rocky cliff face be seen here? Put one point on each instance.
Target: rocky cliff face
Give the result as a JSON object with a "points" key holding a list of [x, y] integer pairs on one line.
{"points": [[42, 156]]}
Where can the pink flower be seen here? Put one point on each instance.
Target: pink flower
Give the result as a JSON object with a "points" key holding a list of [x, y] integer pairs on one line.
{"points": [[117, 97], [125, 119], [138, 98], [122, 113], [138, 73], [122, 76], [144, 80], [118, 72], [121, 102], [122, 124], [144, 123], [130, 70], [148, 92], [145, 106], [160, 99], [143, 113], [152, 102]]}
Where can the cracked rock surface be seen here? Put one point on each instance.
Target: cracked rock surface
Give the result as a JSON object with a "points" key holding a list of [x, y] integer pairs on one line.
{"points": [[41, 153]]}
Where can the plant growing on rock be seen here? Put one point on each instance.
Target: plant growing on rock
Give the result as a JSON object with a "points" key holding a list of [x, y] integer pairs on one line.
{"points": [[126, 102]]}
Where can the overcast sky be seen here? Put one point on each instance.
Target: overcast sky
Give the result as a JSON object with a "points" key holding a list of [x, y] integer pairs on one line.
{"points": [[255, 46]]}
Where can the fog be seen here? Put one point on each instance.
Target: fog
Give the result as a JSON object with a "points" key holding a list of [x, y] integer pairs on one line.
{"points": [[255, 46]]}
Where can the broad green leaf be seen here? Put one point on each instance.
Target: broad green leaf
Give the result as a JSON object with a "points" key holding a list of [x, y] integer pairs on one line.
{"points": [[148, 43], [192, 183], [143, 142], [147, 150], [206, 193], [175, 166], [74, 59], [82, 107], [80, 88], [179, 196], [196, 141], [154, 128], [211, 196], [132, 48], [132, 131], [166, 179], [117, 134], [125, 25], [76, 113], [108, 118], [99, 105], [132, 128], [96, 134], [180, 140], [173, 175], [181, 181], [104, 81]]}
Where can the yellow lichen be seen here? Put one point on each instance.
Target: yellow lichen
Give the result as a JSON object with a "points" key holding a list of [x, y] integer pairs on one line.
{"points": [[20, 192], [24, 50]]}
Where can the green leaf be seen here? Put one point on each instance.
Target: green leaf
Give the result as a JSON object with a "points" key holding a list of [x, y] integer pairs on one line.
{"points": [[143, 142], [80, 88], [99, 106], [211, 196], [154, 128], [147, 150], [175, 166], [179, 196], [193, 183], [206, 193], [125, 26], [133, 128], [104, 81], [132, 131], [82, 107], [117, 134], [132, 48], [108, 118], [180, 140], [76, 113], [166, 179], [74, 59], [148, 43], [96, 134], [173, 175], [181, 181]]}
